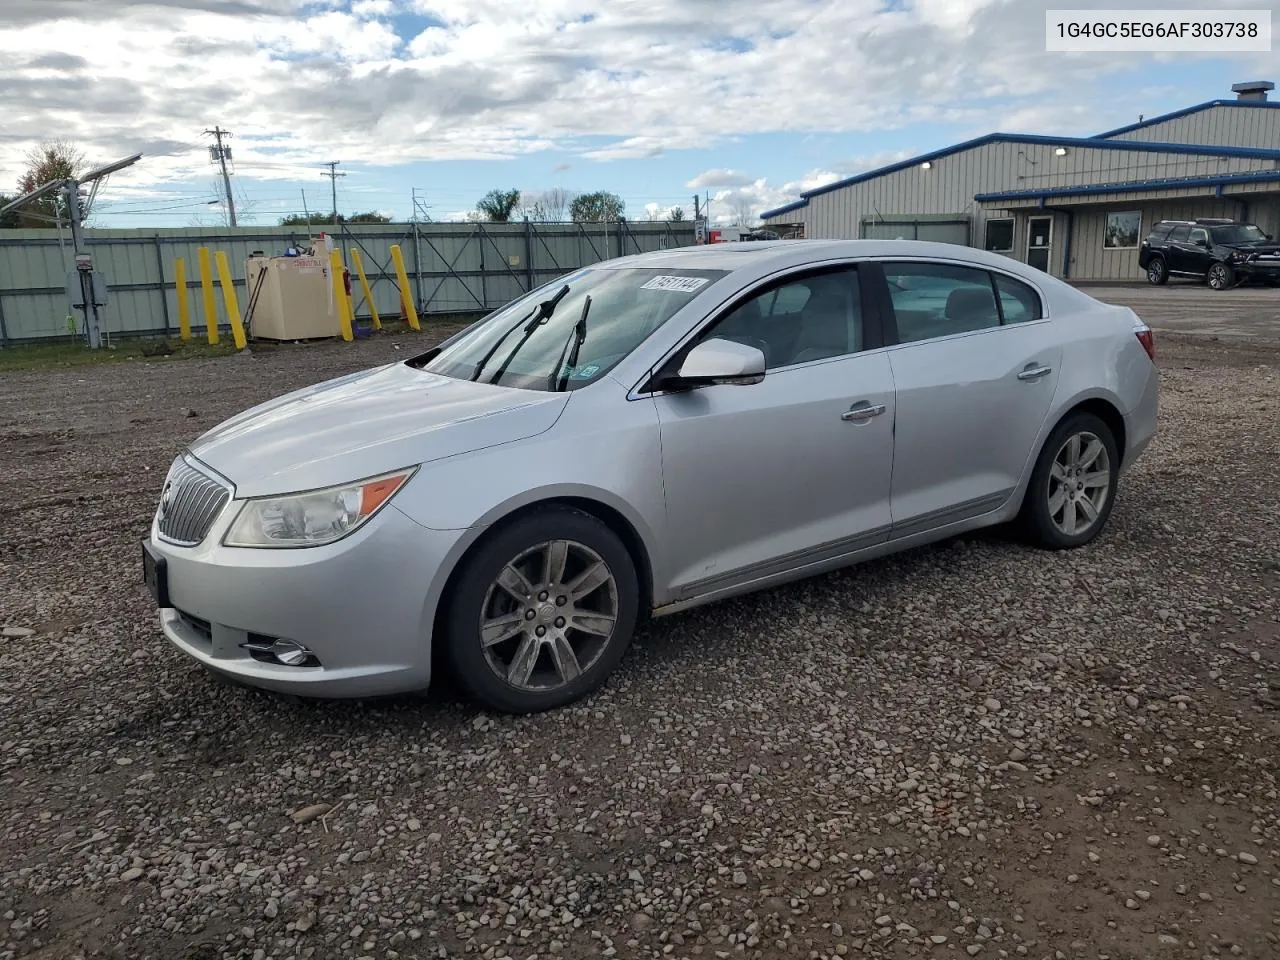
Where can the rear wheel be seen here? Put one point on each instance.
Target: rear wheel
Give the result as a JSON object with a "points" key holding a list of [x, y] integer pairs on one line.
{"points": [[1221, 276], [542, 612], [1073, 485], [1157, 272]]}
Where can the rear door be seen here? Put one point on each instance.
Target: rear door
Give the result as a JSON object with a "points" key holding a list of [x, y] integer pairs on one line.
{"points": [[1178, 250], [768, 477], [975, 371]]}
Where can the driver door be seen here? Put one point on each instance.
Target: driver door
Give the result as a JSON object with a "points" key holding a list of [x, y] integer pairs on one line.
{"points": [[765, 478]]}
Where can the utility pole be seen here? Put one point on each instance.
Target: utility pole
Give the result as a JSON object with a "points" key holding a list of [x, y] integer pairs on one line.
{"points": [[697, 207], [222, 154], [333, 176]]}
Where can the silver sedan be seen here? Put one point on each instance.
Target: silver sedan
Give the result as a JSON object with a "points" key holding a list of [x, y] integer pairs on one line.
{"points": [[639, 437]]}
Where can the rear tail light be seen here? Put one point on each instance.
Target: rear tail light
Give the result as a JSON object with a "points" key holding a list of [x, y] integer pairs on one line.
{"points": [[1147, 338]]}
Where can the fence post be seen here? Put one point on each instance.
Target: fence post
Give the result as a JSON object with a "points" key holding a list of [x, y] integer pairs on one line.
{"points": [[417, 268], [484, 289], [164, 300], [528, 254], [4, 331]]}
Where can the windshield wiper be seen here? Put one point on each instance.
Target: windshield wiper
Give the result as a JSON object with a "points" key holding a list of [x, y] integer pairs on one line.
{"points": [[579, 335], [535, 318]]}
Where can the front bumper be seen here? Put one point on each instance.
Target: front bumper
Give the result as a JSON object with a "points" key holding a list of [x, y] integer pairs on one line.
{"points": [[1257, 269], [363, 606]]}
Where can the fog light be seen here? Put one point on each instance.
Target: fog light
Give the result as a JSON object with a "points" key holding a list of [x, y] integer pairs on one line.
{"points": [[290, 653]]}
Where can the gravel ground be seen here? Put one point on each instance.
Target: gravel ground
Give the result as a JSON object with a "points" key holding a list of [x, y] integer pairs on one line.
{"points": [[970, 750]]}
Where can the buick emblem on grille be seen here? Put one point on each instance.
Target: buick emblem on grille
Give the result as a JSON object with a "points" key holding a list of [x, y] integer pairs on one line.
{"points": [[166, 495]]}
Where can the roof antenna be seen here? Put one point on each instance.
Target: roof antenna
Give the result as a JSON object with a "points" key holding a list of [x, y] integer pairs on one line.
{"points": [[1139, 118]]}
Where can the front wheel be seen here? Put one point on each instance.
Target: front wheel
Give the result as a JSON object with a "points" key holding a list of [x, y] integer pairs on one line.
{"points": [[1221, 276], [542, 612], [1157, 272], [1073, 485]]}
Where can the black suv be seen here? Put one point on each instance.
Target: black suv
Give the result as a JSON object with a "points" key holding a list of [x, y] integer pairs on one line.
{"points": [[1220, 252]]}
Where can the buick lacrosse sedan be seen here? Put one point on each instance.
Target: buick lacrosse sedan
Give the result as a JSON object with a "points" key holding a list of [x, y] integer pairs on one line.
{"points": [[636, 438]]}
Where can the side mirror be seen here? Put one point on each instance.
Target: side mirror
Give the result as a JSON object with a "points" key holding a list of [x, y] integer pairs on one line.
{"points": [[719, 361]]}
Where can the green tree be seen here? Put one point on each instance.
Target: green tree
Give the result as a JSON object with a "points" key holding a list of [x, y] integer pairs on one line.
{"points": [[8, 220], [51, 160], [315, 220], [676, 215], [598, 207], [371, 217], [498, 205]]}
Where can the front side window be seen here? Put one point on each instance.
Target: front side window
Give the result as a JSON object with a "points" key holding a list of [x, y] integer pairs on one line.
{"points": [[809, 318], [939, 299], [578, 343], [1199, 236]]}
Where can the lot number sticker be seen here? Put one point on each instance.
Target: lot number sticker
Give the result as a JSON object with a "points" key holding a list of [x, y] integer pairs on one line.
{"points": [[676, 284]]}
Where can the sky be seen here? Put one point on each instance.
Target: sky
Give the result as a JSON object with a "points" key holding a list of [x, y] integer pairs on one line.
{"points": [[747, 102]]}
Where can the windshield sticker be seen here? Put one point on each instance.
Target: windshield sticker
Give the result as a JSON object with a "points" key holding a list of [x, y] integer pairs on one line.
{"points": [[590, 370], [675, 284]]}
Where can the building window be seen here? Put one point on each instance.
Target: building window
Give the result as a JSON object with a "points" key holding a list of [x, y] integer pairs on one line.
{"points": [[1000, 236], [1123, 230]]}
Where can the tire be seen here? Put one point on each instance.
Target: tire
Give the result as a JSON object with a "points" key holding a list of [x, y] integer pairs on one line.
{"points": [[1157, 272], [494, 675], [1220, 276], [1044, 516]]}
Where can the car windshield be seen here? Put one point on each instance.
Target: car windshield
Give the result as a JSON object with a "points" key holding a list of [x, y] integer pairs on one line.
{"points": [[627, 304], [1238, 233]]}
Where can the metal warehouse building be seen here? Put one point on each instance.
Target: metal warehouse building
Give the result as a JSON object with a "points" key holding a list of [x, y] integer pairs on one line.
{"points": [[1076, 207]]}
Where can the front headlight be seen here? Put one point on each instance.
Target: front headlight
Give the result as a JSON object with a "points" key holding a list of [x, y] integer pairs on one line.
{"points": [[314, 518]]}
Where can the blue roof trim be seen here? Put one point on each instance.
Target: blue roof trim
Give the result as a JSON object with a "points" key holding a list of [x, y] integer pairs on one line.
{"points": [[1184, 112], [1084, 143], [1134, 186], [785, 208]]}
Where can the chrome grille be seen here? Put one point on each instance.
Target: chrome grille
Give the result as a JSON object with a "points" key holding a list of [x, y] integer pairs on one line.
{"points": [[189, 504]]}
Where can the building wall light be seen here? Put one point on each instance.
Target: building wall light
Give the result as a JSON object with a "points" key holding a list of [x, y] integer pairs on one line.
{"points": [[1060, 152], [926, 165]]}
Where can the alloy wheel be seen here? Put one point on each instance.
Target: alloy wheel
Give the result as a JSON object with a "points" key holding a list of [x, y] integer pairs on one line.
{"points": [[1217, 276], [1155, 271], [1079, 483], [549, 616]]}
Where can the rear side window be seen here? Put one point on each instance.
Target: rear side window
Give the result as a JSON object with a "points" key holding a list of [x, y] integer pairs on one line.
{"points": [[940, 299], [1161, 230], [1018, 301], [1180, 232]]}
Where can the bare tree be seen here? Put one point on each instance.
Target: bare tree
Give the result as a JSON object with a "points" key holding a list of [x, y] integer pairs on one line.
{"points": [[676, 215], [743, 210], [552, 206]]}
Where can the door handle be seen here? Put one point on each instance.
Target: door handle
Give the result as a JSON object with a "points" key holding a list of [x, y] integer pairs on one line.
{"points": [[1035, 372], [863, 410]]}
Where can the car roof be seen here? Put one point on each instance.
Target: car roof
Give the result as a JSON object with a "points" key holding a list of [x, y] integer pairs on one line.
{"points": [[762, 254]]}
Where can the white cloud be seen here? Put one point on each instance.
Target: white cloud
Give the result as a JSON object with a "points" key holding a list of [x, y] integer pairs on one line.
{"points": [[718, 177], [300, 82]]}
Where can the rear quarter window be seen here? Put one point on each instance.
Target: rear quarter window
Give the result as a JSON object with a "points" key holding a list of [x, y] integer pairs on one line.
{"points": [[1160, 231]]}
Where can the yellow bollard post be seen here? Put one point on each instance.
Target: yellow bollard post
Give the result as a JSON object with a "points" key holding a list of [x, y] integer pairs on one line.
{"points": [[229, 298], [206, 289], [406, 298], [184, 303], [340, 294], [364, 285]]}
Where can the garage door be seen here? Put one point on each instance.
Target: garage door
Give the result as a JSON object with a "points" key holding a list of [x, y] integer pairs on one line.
{"points": [[900, 228]]}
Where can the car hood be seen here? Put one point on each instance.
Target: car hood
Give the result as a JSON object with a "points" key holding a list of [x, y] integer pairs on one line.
{"points": [[1264, 247], [368, 423]]}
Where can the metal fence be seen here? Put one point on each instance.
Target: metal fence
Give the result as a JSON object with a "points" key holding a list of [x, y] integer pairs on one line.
{"points": [[452, 267]]}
